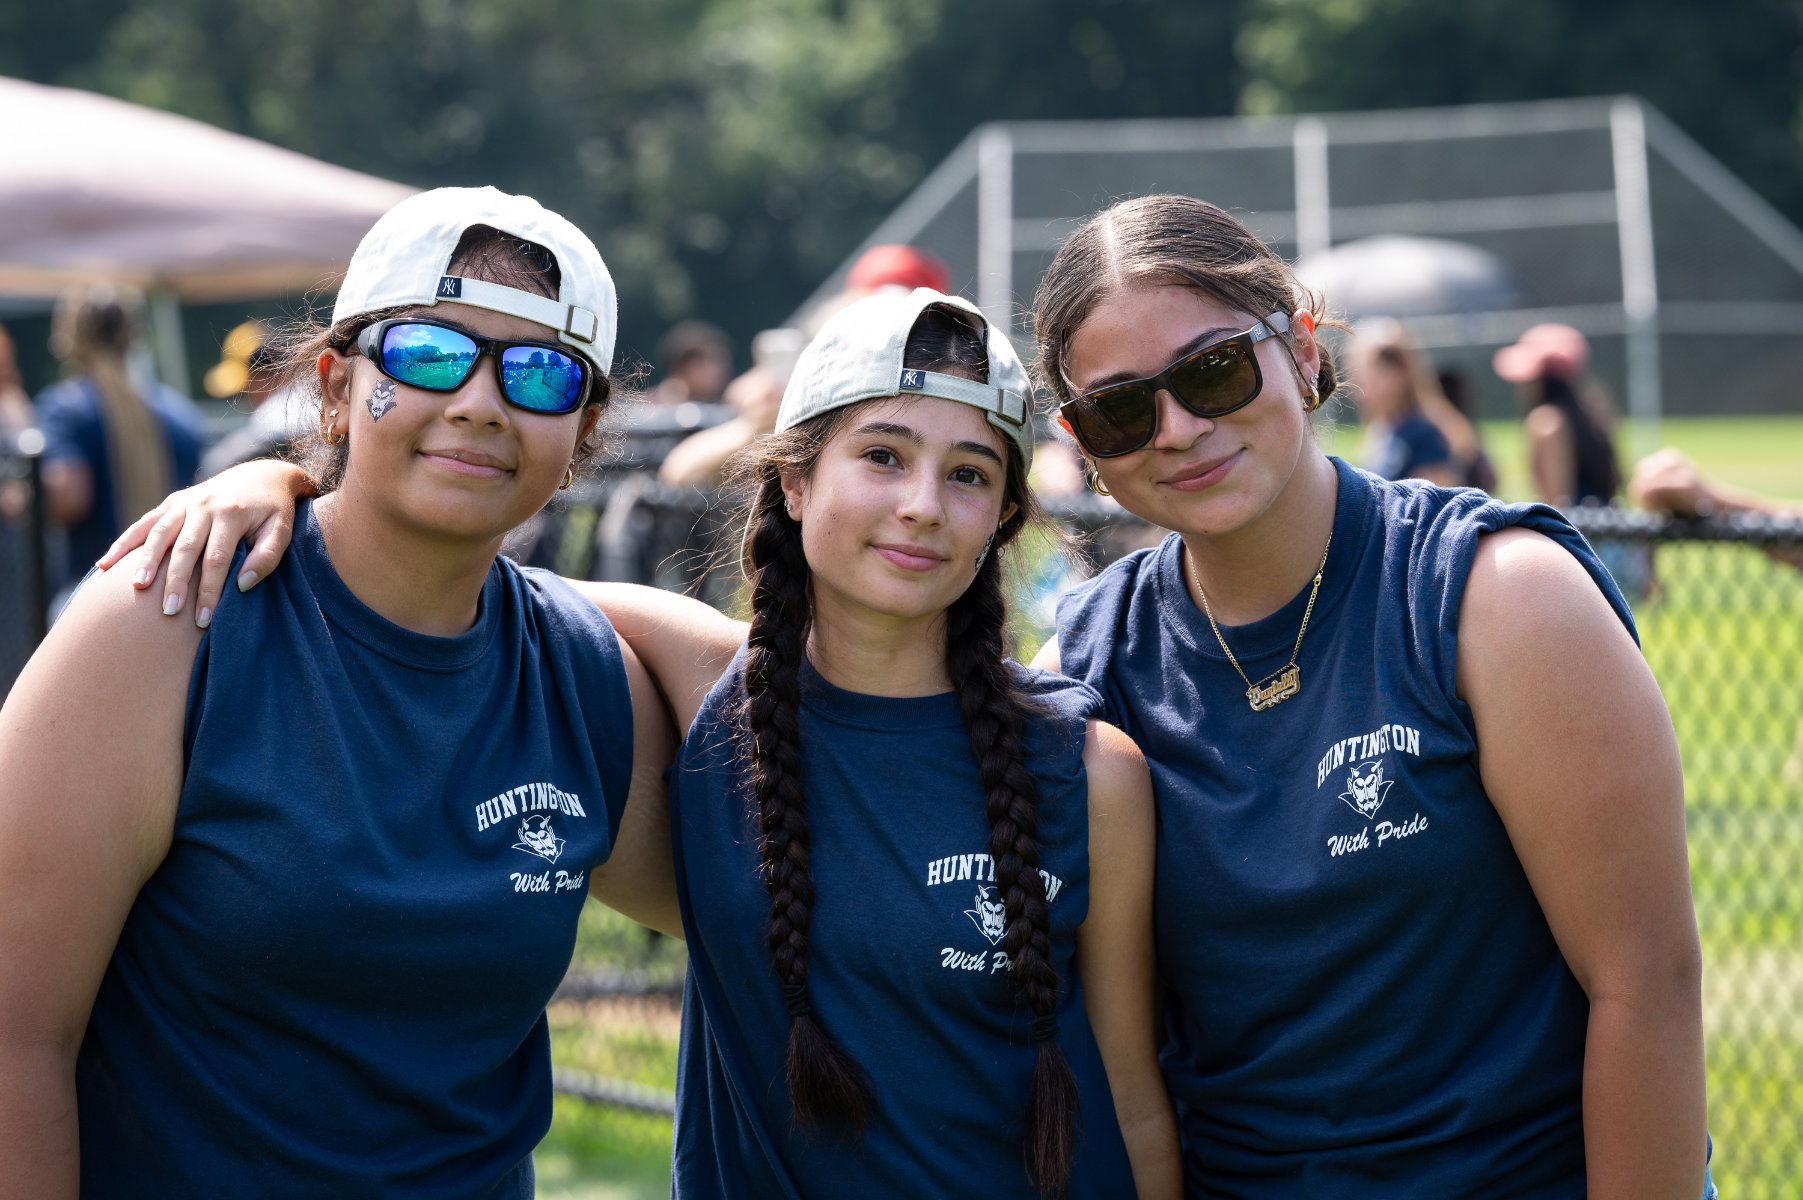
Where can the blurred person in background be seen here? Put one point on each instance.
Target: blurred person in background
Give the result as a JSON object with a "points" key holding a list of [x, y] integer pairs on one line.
{"points": [[1669, 481], [697, 361], [1455, 385], [1569, 423], [700, 459], [116, 440], [247, 373], [1411, 430]]}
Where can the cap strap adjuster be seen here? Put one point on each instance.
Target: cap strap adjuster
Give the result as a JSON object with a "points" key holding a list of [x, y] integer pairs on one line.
{"points": [[581, 324]]}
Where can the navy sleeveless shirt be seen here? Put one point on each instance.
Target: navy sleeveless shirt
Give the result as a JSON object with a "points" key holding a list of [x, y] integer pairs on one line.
{"points": [[1365, 999], [334, 985], [904, 965]]}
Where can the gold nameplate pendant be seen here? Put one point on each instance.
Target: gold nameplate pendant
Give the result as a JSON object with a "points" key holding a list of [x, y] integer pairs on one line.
{"points": [[1283, 685]]}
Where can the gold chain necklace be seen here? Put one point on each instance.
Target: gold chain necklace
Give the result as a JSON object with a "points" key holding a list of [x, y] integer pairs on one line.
{"points": [[1286, 681]]}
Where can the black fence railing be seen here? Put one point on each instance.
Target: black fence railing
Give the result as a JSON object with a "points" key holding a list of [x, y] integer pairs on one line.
{"points": [[1719, 603]]}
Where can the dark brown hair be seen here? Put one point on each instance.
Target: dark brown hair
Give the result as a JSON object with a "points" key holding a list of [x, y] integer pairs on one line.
{"points": [[1173, 240], [826, 1085], [483, 253]]}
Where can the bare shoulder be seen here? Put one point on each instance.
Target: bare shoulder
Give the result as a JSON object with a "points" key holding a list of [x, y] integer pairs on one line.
{"points": [[1520, 576], [1530, 603], [1120, 784], [1047, 658], [112, 635]]}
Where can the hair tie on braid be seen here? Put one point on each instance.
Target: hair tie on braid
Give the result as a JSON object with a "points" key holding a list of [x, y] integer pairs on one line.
{"points": [[1045, 1027], [795, 999]]}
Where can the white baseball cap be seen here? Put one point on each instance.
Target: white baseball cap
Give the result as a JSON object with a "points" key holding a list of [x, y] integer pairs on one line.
{"points": [[857, 356], [402, 261]]}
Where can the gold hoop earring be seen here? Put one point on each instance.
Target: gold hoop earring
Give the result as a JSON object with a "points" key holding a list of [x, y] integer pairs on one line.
{"points": [[1311, 402], [1094, 478], [329, 430], [569, 477]]}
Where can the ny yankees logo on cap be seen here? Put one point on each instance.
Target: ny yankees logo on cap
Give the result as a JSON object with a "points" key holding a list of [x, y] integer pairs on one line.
{"points": [[913, 381], [450, 287]]}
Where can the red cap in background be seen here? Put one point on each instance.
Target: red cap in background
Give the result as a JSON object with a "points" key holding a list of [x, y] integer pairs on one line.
{"points": [[898, 266]]}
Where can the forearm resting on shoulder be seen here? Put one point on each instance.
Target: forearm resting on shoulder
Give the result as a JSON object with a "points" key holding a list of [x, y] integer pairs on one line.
{"points": [[39, 1135]]}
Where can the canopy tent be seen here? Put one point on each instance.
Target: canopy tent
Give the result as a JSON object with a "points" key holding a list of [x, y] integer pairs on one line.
{"points": [[1602, 214], [97, 188]]}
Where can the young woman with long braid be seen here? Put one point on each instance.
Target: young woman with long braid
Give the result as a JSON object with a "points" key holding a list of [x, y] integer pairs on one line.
{"points": [[1423, 907], [915, 876]]}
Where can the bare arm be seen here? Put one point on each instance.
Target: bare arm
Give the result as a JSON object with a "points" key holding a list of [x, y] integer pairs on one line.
{"points": [[1577, 753], [685, 644], [1047, 658], [639, 876], [699, 459], [90, 747], [1115, 957], [1552, 456], [68, 490]]}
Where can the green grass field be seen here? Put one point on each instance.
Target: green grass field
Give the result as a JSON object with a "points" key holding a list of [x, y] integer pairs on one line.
{"points": [[1724, 634]]}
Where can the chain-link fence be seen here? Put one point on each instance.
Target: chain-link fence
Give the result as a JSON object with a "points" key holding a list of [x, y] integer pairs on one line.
{"points": [[1720, 607]]}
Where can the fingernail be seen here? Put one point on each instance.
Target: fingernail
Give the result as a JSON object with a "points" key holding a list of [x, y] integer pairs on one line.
{"points": [[172, 604], [143, 576], [204, 617], [246, 580]]}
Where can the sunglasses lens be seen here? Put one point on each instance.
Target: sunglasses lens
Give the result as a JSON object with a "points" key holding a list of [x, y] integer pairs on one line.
{"points": [[1217, 380], [1113, 421], [541, 379], [428, 356]]}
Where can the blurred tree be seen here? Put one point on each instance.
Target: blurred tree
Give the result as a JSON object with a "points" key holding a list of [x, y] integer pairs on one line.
{"points": [[725, 154], [1729, 75]]}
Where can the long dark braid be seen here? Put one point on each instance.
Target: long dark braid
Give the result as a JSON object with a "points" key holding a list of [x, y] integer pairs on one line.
{"points": [[996, 715], [827, 1086]]}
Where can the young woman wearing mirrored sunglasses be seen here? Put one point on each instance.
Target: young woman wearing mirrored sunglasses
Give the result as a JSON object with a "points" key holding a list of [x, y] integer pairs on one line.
{"points": [[282, 899], [1426, 924]]}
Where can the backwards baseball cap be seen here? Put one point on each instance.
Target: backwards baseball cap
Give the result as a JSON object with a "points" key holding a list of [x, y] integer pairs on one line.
{"points": [[857, 356], [403, 260]]}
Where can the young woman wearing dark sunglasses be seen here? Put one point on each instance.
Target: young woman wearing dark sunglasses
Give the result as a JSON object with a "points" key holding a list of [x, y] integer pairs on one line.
{"points": [[282, 901], [1423, 904]]}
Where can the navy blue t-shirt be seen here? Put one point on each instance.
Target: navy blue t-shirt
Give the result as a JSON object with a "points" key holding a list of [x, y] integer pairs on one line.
{"points": [[334, 985], [1365, 998], [905, 968], [1410, 447], [69, 415]]}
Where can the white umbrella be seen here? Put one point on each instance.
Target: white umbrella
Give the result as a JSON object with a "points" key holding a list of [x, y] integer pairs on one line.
{"points": [[96, 188], [1395, 276]]}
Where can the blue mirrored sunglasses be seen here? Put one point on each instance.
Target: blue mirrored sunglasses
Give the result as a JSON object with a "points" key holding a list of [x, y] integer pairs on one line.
{"points": [[536, 376]]}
